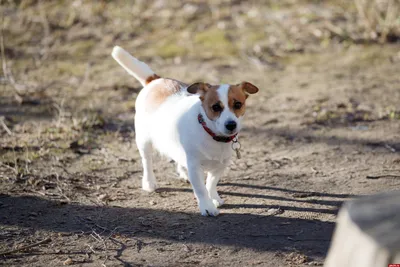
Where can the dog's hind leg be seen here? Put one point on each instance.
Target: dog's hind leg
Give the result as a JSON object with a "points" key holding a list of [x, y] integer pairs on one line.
{"points": [[182, 172], [144, 146]]}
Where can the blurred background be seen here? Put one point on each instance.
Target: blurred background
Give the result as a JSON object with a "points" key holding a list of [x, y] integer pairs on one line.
{"points": [[55, 50], [326, 118]]}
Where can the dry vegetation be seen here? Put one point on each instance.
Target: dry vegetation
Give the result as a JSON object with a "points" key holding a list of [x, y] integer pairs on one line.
{"points": [[327, 119]]}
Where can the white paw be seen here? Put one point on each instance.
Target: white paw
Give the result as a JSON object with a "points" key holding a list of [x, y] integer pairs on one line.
{"points": [[183, 176], [207, 208], [216, 199], [149, 186], [218, 202]]}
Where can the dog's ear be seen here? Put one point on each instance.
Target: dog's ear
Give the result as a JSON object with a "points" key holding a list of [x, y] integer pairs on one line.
{"points": [[248, 88], [198, 88]]}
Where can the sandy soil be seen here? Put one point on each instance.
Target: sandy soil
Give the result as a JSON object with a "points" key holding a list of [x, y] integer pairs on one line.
{"points": [[324, 129]]}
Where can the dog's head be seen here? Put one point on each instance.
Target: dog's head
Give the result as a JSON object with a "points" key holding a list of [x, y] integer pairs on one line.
{"points": [[223, 104]]}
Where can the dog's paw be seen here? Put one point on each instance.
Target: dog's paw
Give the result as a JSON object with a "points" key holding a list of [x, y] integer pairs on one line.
{"points": [[218, 202], [183, 175], [207, 208], [149, 186], [216, 199]]}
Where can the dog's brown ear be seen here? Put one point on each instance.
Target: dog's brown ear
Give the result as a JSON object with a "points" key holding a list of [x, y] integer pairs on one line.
{"points": [[248, 88], [199, 87]]}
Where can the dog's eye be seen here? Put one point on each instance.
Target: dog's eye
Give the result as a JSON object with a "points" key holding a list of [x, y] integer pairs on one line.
{"points": [[216, 107], [237, 105]]}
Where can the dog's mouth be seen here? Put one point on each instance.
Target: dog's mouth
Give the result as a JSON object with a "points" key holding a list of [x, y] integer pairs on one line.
{"points": [[230, 133], [224, 132]]}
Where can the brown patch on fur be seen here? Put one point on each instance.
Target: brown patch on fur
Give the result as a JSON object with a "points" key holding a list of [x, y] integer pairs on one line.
{"points": [[152, 78], [160, 91], [209, 98], [249, 88], [237, 94]]}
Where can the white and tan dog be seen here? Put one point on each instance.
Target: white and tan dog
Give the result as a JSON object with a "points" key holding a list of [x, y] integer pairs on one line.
{"points": [[192, 124]]}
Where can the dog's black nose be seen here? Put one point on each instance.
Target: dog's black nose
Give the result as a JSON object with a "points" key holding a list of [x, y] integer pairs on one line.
{"points": [[230, 125]]}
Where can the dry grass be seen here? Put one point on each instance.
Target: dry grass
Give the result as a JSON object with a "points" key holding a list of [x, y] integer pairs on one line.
{"points": [[379, 18]]}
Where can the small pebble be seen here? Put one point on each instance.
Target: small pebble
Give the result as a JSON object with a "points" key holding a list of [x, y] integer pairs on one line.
{"points": [[103, 197], [68, 261], [273, 211]]}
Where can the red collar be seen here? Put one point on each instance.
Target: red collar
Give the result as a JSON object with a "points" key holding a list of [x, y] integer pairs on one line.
{"points": [[218, 138]]}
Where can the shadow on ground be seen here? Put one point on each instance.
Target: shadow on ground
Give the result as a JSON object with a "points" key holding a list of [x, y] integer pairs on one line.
{"points": [[297, 194], [29, 110], [256, 232]]}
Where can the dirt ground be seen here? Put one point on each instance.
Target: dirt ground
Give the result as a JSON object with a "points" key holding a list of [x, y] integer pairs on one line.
{"points": [[324, 128]]}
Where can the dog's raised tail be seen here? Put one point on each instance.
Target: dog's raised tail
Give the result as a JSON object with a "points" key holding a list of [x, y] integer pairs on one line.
{"points": [[133, 66]]}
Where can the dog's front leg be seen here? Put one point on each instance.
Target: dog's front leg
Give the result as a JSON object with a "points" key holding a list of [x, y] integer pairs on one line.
{"points": [[211, 185], [196, 178]]}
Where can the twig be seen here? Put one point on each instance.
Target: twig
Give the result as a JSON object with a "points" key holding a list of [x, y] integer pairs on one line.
{"points": [[382, 176], [104, 262], [8, 75], [386, 23], [64, 169], [309, 239], [91, 248], [98, 238], [269, 235], [60, 189], [47, 240], [85, 76], [15, 170], [390, 148], [3, 58], [46, 29], [361, 13], [334, 29], [120, 251], [3, 124]]}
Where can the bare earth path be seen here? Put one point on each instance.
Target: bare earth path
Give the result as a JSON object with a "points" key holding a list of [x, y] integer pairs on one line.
{"points": [[325, 128]]}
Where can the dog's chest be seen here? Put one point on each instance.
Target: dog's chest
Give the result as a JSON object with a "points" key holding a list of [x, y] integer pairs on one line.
{"points": [[216, 154]]}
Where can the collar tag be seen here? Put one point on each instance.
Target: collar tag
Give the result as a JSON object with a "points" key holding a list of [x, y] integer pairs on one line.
{"points": [[236, 147]]}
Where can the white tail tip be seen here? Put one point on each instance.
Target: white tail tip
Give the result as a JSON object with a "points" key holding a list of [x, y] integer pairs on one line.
{"points": [[133, 66]]}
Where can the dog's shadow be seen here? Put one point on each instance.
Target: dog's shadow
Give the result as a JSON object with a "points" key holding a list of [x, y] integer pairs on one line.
{"points": [[296, 196], [240, 230]]}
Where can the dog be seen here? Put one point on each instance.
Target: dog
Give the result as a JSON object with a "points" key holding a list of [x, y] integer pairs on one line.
{"points": [[195, 125]]}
